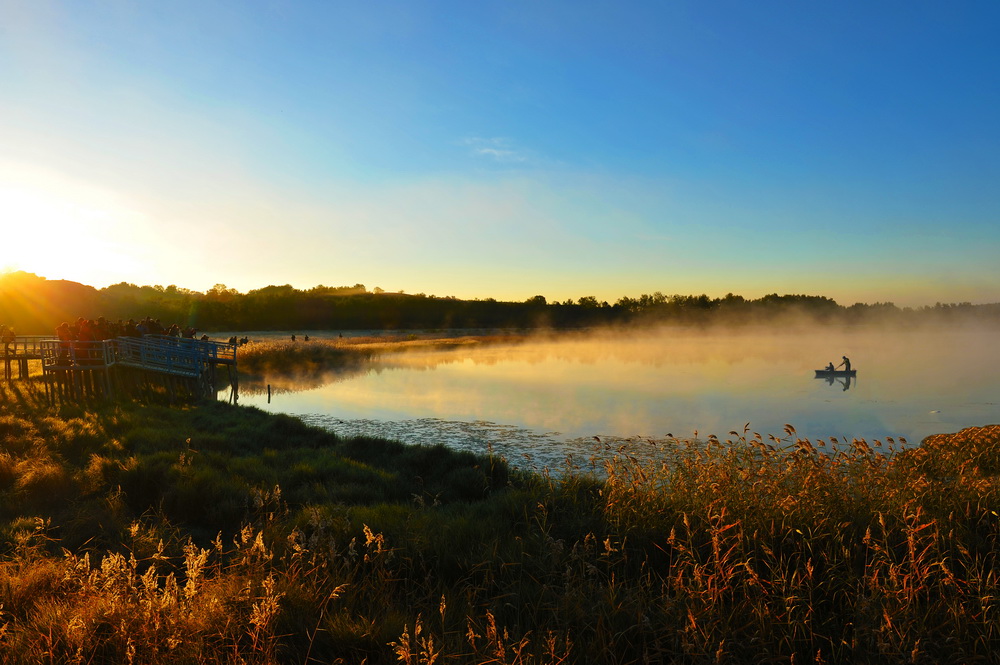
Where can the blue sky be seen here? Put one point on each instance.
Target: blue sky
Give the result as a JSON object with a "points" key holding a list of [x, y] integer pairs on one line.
{"points": [[506, 149]]}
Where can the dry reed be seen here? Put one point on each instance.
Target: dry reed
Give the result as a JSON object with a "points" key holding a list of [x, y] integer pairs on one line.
{"points": [[742, 550]]}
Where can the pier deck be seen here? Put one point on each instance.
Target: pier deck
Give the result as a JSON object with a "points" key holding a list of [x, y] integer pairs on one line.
{"points": [[76, 369], [19, 352]]}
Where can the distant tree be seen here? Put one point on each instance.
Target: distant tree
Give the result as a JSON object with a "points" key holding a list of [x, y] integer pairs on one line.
{"points": [[220, 292], [627, 305], [278, 307]]}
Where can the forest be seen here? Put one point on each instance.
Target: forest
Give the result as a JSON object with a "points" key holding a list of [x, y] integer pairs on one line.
{"points": [[36, 305]]}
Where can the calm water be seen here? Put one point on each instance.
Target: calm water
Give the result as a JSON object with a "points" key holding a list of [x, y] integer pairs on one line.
{"points": [[537, 403]]}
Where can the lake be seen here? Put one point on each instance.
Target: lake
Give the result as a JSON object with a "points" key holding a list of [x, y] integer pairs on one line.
{"points": [[539, 402]]}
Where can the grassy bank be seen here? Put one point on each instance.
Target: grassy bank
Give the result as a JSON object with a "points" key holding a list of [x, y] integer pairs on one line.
{"points": [[143, 533], [291, 366], [317, 355]]}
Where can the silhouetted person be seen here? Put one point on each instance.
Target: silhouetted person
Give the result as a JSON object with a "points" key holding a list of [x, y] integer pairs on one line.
{"points": [[293, 338], [846, 363], [830, 367], [307, 338], [85, 336], [8, 337], [65, 336], [101, 329]]}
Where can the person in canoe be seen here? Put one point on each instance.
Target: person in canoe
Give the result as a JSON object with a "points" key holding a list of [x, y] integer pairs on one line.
{"points": [[830, 367], [846, 364]]}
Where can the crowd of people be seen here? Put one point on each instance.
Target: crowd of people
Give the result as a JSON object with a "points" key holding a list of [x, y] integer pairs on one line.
{"points": [[96, 330], [100, 329]]}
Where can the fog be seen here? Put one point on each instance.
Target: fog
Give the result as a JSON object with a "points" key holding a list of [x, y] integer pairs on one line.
{"points": [[669, 382]]}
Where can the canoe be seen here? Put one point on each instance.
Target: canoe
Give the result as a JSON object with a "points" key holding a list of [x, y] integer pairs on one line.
{"points": [[823, 373]]}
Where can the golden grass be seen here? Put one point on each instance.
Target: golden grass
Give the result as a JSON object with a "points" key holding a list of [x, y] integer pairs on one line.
{"points": [[743, 550], [276, 353], [298, 365]]}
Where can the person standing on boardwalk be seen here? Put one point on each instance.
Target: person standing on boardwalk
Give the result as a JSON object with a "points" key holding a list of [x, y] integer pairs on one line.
{"points": [[846, 364], [65, 336], [8, 337]]}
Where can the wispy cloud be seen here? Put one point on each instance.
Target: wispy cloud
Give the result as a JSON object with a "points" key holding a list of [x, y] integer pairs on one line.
{"points": [[497, 148]]}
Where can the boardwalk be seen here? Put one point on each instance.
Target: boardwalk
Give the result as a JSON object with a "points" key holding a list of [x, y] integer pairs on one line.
{"points": [[19, 352], [124, 366]]}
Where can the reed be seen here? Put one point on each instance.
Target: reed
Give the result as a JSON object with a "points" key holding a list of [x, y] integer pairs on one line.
{"points": [[317, 356], [218, 534]]}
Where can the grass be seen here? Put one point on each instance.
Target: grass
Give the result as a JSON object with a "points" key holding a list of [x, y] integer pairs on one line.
{"points": [[218, 534], [315, 357]]}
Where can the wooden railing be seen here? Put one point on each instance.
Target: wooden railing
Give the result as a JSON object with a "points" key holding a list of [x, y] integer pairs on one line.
{"points": [[159, 352], [25, 346], [216, 352], [82, 369], [57, 354], [160, 356]]}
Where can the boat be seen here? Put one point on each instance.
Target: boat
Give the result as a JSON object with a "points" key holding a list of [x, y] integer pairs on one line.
{"points": [[824, 373]]}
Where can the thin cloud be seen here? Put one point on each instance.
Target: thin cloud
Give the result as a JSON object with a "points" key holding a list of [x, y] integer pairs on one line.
{"points": [[497, 148]]}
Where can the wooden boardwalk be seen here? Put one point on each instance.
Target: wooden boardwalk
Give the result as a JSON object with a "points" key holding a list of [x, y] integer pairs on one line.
{"points": [[124, 366], [19, 352]]}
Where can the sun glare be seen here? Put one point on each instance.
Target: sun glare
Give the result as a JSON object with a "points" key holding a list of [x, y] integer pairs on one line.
{"points": [[42, 233], [61, 230]]}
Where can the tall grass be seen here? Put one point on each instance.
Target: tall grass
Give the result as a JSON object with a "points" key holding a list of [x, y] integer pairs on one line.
{"points": [[284, 357], [217, 534]]}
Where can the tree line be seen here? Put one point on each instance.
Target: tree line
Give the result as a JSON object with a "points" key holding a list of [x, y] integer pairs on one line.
{"points": [[35, 305]]}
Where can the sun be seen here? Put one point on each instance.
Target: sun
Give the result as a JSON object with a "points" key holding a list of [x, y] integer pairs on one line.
{"points": [[60, 229], [40, 232]]}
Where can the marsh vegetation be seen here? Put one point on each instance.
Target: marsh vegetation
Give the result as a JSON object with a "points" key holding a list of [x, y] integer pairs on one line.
{"points": [[277, 357], [143, 533]]}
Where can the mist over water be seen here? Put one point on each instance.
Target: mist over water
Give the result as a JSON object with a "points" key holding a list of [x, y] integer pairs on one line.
{"points": [[539, 401]]}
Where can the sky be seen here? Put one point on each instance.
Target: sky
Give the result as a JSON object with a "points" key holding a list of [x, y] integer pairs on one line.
{"points": [[506, 149]]}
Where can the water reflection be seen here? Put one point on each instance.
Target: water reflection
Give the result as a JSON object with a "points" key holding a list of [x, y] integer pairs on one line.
{"points": [[252, 386], [841, 381], [546, 399]]}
